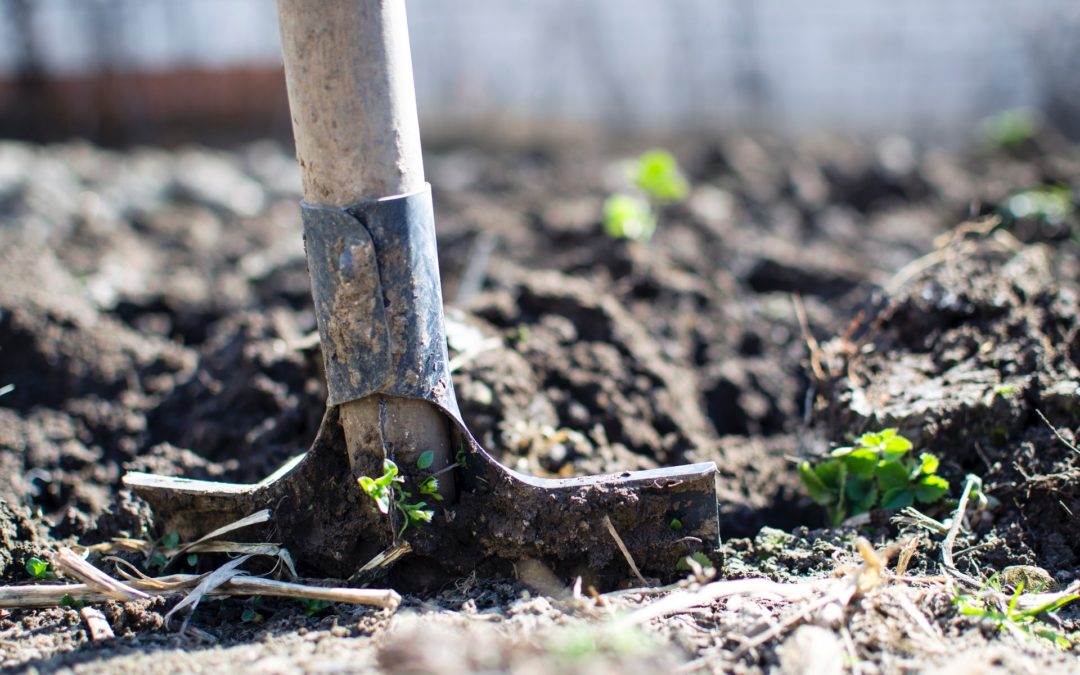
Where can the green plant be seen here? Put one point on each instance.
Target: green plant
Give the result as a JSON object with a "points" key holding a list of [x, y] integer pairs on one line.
{"points": [[697, 556], [314, 606], [251, 613], [628, 217], [384, 492], [38, 569], [657, 180], [72, 603], [876, 471], [1051, 204], [1011, 616], [657, 174], [1010, 128]]}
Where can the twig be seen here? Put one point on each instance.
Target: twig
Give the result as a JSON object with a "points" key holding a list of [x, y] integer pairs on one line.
{"points": [[74, 566], [681, 601], [811, 342], [906, 553], [842, 594], [383, 559], [954, 529], [51, 595], [1056, 432], [625, 551]]}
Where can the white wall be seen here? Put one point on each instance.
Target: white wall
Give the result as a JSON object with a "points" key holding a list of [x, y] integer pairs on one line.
{"points": [[923, 67]]}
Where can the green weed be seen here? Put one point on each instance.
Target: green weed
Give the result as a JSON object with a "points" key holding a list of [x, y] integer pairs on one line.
{"points": [[1009, 129], [251, 613], [71, 603], [386, 490], [38, 569], [628, 217], [875, 472], [1050, 204], [1011, 617], [314, 606], [657, 180], [657, 174]]}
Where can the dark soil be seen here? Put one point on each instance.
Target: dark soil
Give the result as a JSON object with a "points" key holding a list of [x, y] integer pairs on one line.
{"points": [[155, 315]]}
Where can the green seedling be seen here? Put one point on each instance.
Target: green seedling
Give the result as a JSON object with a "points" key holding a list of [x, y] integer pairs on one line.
{"points": [[657, 174], [251, 612], [1011, 617], [313, 607], [38, 569], [425, 460], [698, 557], [168, 542], [384, 493], [72, 603], [1009, 129], [1050, 204], [1003, 390], [875, 472], [657, 180], [628, 217]]}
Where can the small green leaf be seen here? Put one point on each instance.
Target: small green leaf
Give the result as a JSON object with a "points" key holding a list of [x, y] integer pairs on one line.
{"points": [[382, 501], [657, 174], [249, 615], [38, 568], [369, 486], [70, 602], [861, 462], [313, 607], [841, 451], [897, 498], [896, 446], [931, 488], [817, 490], [928, 464], [873, 439], [628, 217], [192, 559], [170, 540], [892, 475], [675, 524], [861, 495], [697, 556], [832, 473], [425, 460]]}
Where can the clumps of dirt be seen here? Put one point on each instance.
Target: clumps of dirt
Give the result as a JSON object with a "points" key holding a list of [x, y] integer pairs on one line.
{"points": [[21, 538], [977, 359]]}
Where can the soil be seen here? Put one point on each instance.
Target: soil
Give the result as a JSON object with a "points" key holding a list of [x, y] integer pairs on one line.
{"points": [[155, 315]]}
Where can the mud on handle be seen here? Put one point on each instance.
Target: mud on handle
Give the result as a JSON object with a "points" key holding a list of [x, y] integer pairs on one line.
{"points": [[378, 300]]}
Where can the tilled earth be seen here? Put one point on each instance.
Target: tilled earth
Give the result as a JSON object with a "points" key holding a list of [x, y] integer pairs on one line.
{"points": [[155, 315]]}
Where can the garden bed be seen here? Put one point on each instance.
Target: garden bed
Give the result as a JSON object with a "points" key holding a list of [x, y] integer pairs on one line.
{"points": [[155, 315]]}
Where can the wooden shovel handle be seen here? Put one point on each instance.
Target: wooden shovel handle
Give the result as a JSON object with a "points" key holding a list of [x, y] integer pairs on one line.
{"points": [[349, 75]]}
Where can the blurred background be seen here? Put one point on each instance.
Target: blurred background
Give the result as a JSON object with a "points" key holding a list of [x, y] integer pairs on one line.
{"points": [[170, 71]]}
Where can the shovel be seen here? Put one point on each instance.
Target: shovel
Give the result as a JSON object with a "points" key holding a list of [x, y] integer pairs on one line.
{"points": [[370, 243]]}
